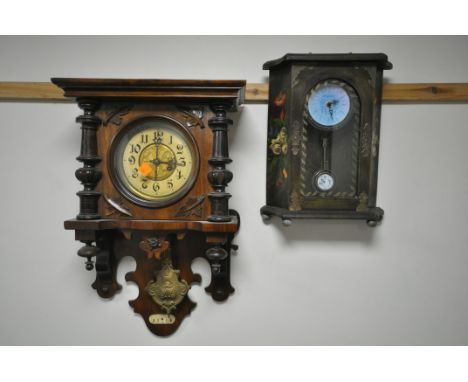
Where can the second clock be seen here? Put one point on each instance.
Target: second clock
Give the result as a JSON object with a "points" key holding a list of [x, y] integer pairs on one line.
{"points": [[323, 136]]}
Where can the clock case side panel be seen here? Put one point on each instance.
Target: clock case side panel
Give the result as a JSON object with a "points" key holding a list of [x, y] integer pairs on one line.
{"points": [[375, 136], [115, 116], [278, 168]]}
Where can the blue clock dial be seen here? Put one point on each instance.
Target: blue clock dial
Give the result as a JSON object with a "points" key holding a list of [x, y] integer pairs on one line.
{"points": [[329, 104]]}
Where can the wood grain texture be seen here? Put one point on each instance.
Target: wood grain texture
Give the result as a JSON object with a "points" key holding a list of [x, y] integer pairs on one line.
{"points": [[258, 93], [153, 225], [392, 93], [31, 91], [430, 92]]}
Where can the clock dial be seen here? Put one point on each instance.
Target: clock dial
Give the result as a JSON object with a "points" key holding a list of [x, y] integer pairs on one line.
{"points": [[155, 162], [324, 181], [329, 104]]}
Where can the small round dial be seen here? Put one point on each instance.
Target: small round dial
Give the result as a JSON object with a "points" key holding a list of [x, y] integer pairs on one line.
{"points": [[324, 181], [329, 104], [154, 161]]}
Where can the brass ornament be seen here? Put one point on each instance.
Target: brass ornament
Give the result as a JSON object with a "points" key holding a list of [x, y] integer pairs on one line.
{"points": [[167, 291], [161, 319]]}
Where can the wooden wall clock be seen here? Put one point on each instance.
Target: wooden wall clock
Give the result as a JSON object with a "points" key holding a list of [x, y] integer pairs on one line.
{"points": [[323, 136], [154, 156]]}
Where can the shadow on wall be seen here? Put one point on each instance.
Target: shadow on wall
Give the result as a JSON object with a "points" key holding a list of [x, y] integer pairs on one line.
{"points": [[322, 230]]}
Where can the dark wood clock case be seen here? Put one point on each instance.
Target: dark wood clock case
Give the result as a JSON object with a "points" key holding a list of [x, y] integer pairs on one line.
{"points": [[296, 148], [164, 241]]}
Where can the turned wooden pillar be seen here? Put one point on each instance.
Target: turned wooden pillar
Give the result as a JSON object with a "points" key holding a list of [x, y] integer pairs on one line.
{"points": [[219, 176], [88, 175]]}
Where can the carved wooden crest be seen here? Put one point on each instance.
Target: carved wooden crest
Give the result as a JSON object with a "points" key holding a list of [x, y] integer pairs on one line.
{"points": [[193, 206], [154, 247]]}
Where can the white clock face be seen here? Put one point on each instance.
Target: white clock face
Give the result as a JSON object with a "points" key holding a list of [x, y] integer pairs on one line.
{"points": [[155, 162], [325, 182], [329, 104]]}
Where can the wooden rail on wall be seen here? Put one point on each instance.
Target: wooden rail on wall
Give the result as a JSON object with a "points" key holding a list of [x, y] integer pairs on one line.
{"points": [[257, 93]]}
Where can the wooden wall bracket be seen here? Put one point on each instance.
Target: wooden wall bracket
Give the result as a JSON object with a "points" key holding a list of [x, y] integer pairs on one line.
{"points": [[257, 93]]}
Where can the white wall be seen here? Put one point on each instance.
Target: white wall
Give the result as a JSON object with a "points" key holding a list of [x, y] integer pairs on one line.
{"points": [[317, 282]]}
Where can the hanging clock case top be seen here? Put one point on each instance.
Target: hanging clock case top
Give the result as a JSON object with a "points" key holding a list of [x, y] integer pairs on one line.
{"points": [[350, 147]]}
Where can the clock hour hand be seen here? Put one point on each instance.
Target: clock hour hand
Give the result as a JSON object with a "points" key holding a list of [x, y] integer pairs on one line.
{"points": [[157, 162], [171, 162]]}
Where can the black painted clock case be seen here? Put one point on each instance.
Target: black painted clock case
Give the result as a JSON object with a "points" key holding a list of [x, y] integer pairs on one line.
{"points": [[293, 144]]}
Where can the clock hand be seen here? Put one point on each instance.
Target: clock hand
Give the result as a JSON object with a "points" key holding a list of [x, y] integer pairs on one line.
{"points": [[156, 161], [330, 110], [330, 105], [172, 162], [178, 164]]}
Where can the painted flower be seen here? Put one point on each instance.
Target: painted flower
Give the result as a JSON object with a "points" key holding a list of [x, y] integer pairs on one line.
{"points": [[279, 144], [280, 99], [276, 148]]}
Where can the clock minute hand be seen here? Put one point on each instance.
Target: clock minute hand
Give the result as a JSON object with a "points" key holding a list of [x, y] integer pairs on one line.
{"points": [[330, 105], [180, 164], [156, 160], [175, 163]]}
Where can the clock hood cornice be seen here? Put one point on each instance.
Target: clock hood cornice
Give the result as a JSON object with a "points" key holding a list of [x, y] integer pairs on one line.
{"points": [[226, 91], [380, 59]]}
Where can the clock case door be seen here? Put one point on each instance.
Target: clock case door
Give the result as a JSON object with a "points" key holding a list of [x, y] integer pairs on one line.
{"points": [[353, 148]]}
